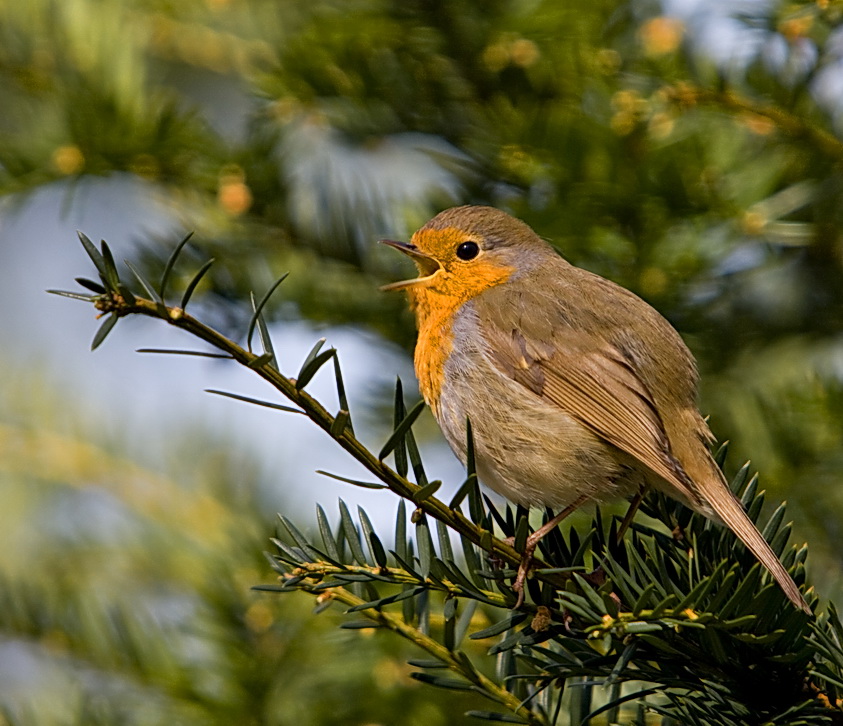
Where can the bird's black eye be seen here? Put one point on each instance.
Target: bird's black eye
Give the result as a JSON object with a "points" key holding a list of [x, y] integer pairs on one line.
{"points": [[468, 250]]}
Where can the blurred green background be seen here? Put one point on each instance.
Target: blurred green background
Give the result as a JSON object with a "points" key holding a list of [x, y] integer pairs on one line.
{"points": [[688, 150]]}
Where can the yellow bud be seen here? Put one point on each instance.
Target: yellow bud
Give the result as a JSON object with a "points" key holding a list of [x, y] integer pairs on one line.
{"points": [[760, 125], [233, 194], [258, 617], [524, 53], [753, 223], [795, 28], [235, 198], [68, 159], [661, 35]]}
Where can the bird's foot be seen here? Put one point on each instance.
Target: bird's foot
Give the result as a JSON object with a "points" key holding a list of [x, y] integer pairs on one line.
{"points": [[634, 504], [524, 567], [533, 542], [496, 562]]}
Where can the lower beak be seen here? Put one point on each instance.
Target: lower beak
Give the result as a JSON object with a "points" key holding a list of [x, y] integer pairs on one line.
{"points": [[428, 266]]}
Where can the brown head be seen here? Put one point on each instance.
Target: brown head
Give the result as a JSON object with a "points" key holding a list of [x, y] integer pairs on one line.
{"points": [[465, 250]]}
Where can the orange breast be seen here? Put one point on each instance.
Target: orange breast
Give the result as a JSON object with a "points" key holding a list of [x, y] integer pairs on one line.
{"points": [[435, 309], [435, 342]]}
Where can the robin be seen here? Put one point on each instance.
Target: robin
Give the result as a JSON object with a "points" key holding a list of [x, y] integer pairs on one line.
{"points": [[576, 389]]}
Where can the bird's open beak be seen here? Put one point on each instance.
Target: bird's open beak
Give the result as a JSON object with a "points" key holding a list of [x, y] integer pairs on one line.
{"points": [[428, 267]]}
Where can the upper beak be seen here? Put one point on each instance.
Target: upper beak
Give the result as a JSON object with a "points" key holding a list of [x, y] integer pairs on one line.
{"points": [[426, 264]]}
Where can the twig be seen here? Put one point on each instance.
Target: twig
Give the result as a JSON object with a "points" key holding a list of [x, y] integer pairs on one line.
{"points": [[456, 660]]}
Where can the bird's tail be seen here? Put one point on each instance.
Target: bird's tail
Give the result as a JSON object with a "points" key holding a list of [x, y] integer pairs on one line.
{"points": [[729, 509]]}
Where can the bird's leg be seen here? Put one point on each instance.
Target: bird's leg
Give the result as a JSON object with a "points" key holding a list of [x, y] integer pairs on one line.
{"points": [[533, 542], [598, 575], [631, 512]]}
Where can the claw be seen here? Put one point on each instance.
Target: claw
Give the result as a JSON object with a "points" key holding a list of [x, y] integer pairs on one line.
{"points": [[533, 542]]}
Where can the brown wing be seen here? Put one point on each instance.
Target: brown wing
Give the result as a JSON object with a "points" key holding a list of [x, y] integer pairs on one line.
{"points": [[594, 382]]}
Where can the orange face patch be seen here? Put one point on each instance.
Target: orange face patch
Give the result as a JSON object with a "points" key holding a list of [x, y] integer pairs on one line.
{"points": [[436, 298], [441, 243], [458, 279]]}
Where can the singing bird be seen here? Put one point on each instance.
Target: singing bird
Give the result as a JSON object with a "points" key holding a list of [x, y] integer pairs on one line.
{"points": [[576, 389]]}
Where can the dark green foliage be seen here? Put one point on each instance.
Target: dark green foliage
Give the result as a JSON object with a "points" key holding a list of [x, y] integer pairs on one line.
{"points": [[716, 645]]}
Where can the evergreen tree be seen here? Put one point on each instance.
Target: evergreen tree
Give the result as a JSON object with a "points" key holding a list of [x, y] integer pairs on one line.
{"points": [[692, 158]]}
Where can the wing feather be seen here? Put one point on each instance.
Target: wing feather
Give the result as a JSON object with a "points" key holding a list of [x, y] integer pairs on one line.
{"points": [[596, 384]]}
